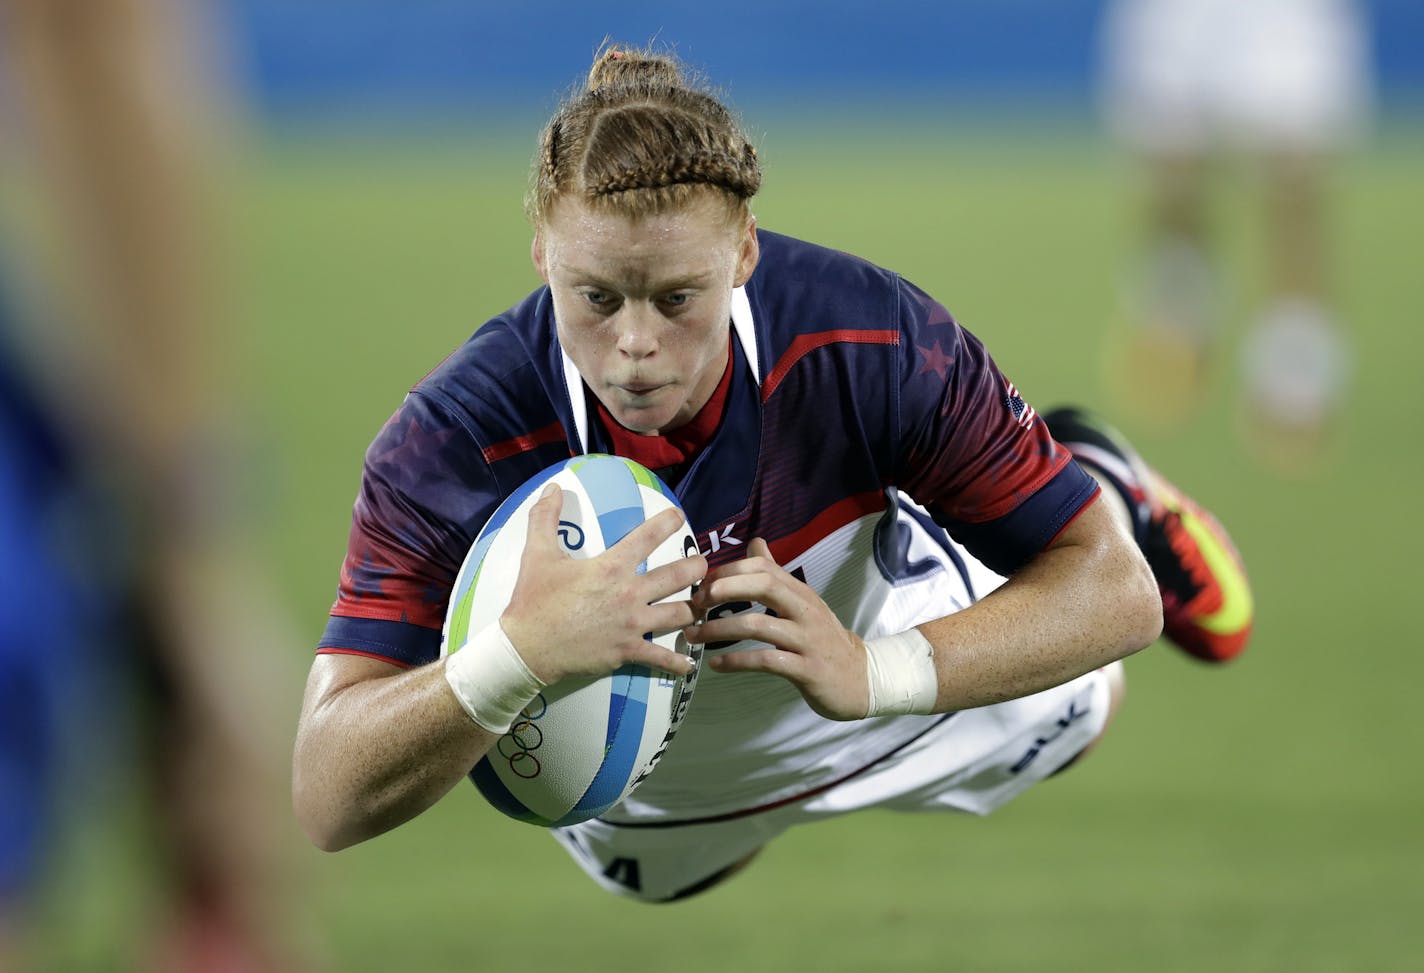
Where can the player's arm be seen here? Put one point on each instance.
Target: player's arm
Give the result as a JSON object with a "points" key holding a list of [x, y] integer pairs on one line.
{"points": [[1088, 599], [1083, 602], [377, 745]]}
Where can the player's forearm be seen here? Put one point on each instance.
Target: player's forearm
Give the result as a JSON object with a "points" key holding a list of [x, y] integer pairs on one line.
{"points": [[375, 753], [1081, 604]]}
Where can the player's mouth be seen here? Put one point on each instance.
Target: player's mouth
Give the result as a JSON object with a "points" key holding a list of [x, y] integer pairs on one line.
{"points": [[641, 388]]}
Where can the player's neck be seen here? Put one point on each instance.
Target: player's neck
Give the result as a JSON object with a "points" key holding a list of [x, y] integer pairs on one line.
{"points": [[675, 447]]}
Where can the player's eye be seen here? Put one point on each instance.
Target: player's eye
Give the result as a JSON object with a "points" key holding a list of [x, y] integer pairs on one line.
{"points": [[676, 300], [599, 299]]}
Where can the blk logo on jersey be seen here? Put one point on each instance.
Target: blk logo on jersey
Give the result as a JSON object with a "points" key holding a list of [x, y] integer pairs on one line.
{"points": [[716, 540]]}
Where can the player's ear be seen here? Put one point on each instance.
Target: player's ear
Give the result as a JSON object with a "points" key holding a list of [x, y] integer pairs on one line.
{"points": [[748, 253], [536, 254]]}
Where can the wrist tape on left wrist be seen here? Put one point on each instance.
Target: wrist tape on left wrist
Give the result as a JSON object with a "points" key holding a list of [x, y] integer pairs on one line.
{"points": [[490, 679], [902, 674]]}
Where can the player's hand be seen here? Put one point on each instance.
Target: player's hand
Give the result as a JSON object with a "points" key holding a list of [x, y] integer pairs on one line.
{"points": [[810, 646], [587, 617]]}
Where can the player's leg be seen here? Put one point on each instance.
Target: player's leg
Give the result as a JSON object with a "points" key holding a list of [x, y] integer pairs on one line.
{"points": [[1296, 359], [1301, 95], [713, 880], [1207, 606], [1117, 690], [1158, 91], [977, 760], [668, 863], [1158, 360], [1179, 288]]}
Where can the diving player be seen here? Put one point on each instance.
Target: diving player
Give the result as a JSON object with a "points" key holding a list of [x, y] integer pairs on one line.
{"points": [[852, 461]]}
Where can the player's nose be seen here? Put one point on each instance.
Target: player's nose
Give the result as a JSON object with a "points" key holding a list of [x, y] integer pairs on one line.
{"points": [[637, 331]]}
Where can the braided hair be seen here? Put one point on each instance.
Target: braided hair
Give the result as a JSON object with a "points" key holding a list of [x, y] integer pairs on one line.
{"points": [[638, 139]]}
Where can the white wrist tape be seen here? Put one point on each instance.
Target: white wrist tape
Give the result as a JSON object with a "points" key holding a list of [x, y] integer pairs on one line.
{"points": [[490, 679], [902, 674]]}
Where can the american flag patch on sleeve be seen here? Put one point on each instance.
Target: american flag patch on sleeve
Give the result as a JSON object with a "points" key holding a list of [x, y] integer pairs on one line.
{"points": [[1023, 412]]}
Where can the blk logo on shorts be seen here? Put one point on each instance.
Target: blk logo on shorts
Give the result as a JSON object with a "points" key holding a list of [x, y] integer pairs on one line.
{"points": [[1073, 716]]}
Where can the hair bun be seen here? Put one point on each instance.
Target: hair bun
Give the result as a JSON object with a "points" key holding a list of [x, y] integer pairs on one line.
{"points": [[620, 66]]}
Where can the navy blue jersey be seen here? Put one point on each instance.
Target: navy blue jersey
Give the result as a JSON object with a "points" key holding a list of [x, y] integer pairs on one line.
{"points": [[851, 389]]}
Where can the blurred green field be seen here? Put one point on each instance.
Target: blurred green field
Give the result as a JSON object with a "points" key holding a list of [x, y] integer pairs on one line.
{"points": [[1266, 817]]}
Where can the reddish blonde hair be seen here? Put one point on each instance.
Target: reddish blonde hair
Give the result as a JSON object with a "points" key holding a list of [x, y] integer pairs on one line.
{"points": [[639, 139]]}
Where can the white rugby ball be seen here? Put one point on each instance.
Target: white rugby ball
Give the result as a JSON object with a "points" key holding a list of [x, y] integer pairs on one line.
{"points": [[581, 745]]}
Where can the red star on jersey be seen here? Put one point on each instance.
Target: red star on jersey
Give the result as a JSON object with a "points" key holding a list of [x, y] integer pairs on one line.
{"points": [[935, 360]]}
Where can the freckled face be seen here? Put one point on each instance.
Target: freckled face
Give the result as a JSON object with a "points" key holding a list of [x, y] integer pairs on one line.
{"points": [[643, 306]]}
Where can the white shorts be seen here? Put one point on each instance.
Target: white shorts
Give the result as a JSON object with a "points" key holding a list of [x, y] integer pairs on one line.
{"points": [[1182, 76], [1014, 745]]}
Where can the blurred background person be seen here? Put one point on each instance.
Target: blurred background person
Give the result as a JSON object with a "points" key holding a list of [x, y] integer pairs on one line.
{"points": [[134, 599], [1191, 86]]}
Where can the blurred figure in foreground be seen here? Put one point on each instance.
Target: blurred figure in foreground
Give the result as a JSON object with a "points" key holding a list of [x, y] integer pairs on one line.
{"points": [[133, 597], [1190, 85]]}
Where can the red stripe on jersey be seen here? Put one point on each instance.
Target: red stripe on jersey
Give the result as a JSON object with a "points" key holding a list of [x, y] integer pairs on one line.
{"points": [[365, 655], [425, 616], [833, 518], [807, 343], [551, 433]]}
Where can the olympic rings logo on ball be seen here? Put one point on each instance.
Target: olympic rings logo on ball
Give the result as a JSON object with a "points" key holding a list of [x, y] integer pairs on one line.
{"points": [[524, 737]]}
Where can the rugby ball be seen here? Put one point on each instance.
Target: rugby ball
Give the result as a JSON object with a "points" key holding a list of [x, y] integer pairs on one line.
{"points": [[581, 745]]}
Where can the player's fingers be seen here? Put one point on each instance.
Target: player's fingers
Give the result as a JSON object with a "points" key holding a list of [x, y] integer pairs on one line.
{"points": [[785, 595], [720, 590], [746, 626], [543, 534], [670, 616], [651, 654], [757, 557], [672, 578], [711, 593], [746, 565], [787, 665], [638, 543]]}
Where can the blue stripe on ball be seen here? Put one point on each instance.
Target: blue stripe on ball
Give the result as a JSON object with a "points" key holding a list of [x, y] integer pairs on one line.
{"points": [[617, 697], [625, 736], [613, 490]]}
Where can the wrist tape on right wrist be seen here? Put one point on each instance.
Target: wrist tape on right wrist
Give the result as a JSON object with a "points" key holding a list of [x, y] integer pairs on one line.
{"points": [[490, 679], [902, 675]]}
